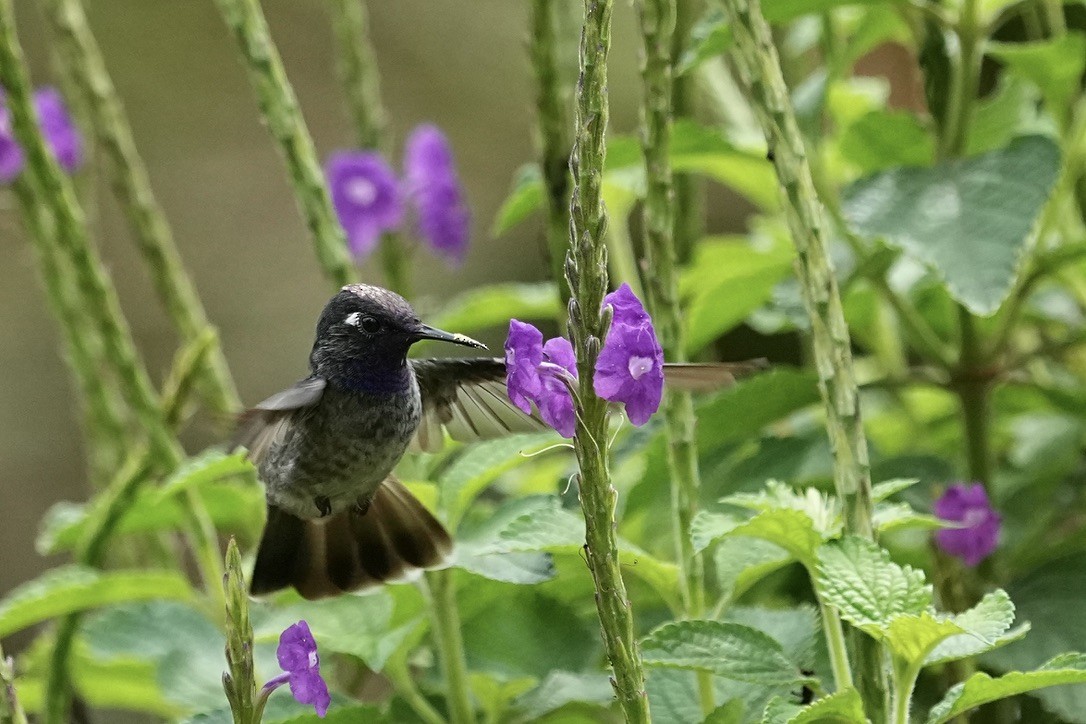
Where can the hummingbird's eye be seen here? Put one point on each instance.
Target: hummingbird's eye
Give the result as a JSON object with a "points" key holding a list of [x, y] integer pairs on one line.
{"points": [[370, 325]]}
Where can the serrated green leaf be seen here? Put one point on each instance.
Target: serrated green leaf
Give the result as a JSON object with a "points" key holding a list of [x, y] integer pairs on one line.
{"points": [[967, 219], [868, 589], [742, 562], [561, 688], [495, 304], [790, 529], [911, 637], [524, 198], [479, 466], [521, 568], [68, 589], [709, 38], [725, 649], [709, 526], [728, 713], [841, 707], [981, 688], [1055, 65], [985, 625]]}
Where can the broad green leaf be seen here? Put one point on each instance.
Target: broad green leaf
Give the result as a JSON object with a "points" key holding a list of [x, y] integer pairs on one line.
{"points": [[522, 568], [561, 688], [231, 508], [119, 684], [822, 509], [709, 526], [1055, 65], [362, 626], [889, 517], [967, 219], [985, 626], [726, 281], [790, 529], [283, 709], [480, 465], [867, 588], [911, 637], [495, 693], [888, 488], [709, 38], [524, 198], [798, 630], [495, 304], [706, 151], [69, 589], [781, 11], [212, 466], [731, 712], [981, 688], [725, 649], [742, 562], [1012, 110], [841, 707], [882, 139]]}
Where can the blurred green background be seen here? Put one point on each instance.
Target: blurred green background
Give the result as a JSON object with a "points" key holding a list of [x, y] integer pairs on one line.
{"points": [[462, 65]]}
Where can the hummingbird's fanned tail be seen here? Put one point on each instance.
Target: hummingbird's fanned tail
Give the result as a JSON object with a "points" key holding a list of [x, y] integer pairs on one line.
{"points": [[351, 550]]}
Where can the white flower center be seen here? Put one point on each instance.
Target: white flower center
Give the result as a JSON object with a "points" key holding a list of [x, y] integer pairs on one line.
{"points": [[361, 191], [639, 366], [313, 659]]}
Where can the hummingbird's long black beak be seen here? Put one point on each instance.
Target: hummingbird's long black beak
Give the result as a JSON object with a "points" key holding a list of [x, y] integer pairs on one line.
{"points": [[425, 331]]}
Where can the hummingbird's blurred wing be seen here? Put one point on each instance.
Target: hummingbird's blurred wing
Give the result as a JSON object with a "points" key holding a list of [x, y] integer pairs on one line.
{"points": [[468, 396], [269, 421]]}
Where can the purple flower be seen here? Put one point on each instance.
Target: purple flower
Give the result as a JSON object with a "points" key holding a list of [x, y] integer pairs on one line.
{"points": [[630, 367], [297, 654], [555, 402], [523, 355], [366, 197], [60, 134], [979, 534], [433, 186]]}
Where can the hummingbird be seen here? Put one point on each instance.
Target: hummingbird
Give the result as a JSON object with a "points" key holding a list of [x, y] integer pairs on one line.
{"points": [[325, 449]]}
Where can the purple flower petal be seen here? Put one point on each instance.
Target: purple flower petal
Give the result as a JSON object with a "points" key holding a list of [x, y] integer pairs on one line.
{"points": [[979, 534], [59, 130], [11, 154], [433, 186], [297, 654], [630, 367], [366, 197], [555, 402], [523, 355]]}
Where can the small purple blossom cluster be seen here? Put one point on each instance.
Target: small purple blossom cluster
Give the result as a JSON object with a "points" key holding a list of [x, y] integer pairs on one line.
{"points": [[297, 654], [370, 200], [629, 369], [61, 135], [978, 535]]}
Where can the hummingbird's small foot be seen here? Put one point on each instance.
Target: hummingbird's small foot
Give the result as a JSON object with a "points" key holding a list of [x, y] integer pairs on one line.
{"points": [[362, 505], [324, 505]]}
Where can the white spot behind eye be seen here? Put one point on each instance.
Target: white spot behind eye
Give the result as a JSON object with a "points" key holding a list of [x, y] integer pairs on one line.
{"points": [[353, 319]]}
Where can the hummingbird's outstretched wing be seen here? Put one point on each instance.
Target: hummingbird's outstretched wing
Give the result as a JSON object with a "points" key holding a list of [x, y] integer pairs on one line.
{"points": [[259, 427], [468, 397]]}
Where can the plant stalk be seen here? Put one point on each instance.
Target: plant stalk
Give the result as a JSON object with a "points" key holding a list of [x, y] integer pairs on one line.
{"points": [[834, 632], [662, 282], [81, 63], [279, 107], [11, 712], [586, 273], [760, 71], [450, 644]]}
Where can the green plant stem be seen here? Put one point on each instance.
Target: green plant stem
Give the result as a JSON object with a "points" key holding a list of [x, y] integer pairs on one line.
{"points": [[82, 64], [104, 423], [760, 71], [450, 644], [357, 66], [973, 390], [401, 680], [586, 273], [11, 712], [552, 124], [834, 632], [279, 107], [657, 27], [689, 188], [239, 681], [620, 254], [136, 471]]}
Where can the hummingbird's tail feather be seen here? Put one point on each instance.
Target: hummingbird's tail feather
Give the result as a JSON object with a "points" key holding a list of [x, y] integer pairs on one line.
{"points": [[351, 550]]}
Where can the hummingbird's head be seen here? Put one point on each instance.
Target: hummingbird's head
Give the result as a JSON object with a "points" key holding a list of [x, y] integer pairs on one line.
{"points": [[365, 327]]}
